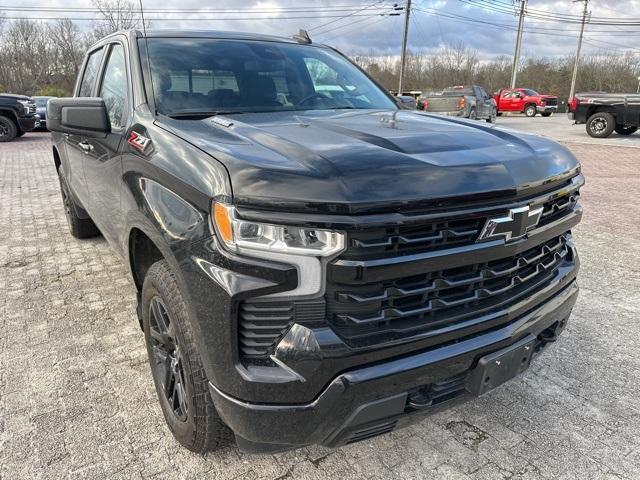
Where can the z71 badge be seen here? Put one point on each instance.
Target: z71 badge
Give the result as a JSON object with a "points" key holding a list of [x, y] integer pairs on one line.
{"points": [[139, 142]]}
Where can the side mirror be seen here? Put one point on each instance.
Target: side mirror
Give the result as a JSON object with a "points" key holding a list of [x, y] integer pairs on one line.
{"points": [[85, 116]]}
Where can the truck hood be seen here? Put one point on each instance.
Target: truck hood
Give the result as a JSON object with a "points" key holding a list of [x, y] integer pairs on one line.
{"points": [[365, 160]]}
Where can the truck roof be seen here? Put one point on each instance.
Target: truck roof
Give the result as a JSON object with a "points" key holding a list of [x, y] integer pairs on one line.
{"points": [[178, 33]]}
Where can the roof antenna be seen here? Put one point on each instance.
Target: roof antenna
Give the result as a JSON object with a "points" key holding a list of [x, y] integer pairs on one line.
{"points": [[146, 46], [301, 37]]}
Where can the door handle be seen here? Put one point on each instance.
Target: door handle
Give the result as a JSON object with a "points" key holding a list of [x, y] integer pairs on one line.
{"points": [[85, 146]]}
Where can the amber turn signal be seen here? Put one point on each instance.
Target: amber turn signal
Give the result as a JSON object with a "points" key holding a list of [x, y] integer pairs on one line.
{"points": [[222, 219]]}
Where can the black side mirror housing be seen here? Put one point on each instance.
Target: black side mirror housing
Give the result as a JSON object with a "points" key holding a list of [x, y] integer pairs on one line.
{"points": [[86, 116]]}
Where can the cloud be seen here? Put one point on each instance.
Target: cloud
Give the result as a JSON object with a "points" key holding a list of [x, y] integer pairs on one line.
{"points": [[367, 26]]}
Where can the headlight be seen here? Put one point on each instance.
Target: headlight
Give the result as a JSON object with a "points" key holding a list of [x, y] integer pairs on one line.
{"points": [[240, 235], [25, 105]]}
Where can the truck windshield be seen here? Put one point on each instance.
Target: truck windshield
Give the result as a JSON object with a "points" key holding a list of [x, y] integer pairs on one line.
{"points": [[220, 76]]}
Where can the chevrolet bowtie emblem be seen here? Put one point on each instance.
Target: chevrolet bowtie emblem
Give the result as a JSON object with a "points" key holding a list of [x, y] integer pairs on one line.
{"points": [[514, 225]]}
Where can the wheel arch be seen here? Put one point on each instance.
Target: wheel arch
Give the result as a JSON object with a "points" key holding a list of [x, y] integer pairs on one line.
{"points": [[56, 158], [11, 115]]}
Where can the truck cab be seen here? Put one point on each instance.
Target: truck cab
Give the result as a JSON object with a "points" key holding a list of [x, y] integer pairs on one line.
{"points": [[525, 100]]}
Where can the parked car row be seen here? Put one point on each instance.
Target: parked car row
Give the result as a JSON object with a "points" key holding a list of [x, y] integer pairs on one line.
{"points": [[20, 114], [472, 101]]}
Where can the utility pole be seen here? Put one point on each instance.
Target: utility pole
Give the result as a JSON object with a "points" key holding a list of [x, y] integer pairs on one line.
{"points": [[516, 56], [577, 62], [405, 36]]}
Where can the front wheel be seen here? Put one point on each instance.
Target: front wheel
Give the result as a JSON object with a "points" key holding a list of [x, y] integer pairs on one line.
{"points": [[601, 125], [176, 367], [530, 111], [8, 129], [622, 130]]}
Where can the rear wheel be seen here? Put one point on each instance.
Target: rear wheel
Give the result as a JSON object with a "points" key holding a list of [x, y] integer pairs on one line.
{"points": [[8, 129], [600, 125], [622, 130], [179, 377], [78, 226], [530, 110], [546, 114]]}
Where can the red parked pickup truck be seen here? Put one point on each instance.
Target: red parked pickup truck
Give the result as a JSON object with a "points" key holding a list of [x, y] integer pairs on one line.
{"points": [[526, 101]]}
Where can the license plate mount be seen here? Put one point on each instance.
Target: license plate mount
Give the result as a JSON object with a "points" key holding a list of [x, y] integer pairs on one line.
{"points": [[498, 367]]}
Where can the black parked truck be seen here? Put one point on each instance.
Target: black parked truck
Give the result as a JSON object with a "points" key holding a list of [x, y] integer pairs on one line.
{"points": [[604, 113], [312, 264], [17, 116]]}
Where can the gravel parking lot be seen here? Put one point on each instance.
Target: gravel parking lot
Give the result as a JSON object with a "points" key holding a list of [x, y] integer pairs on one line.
{"points": [[77, 399]]}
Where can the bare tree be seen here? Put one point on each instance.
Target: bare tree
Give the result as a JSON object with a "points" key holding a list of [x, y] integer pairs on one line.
{"points": [[69, 45], [117, 15]]}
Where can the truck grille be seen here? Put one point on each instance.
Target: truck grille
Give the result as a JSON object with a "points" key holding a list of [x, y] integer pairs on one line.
{"points": [[418, 238], [407, 305], [551, 101]]}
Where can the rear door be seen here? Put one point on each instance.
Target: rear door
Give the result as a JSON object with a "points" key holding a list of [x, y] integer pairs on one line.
{"points": [[75, 145], [103, 161]]}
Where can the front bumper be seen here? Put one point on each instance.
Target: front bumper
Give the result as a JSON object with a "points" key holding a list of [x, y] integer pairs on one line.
{"points": [[547, 109], [28, 123], [377, 398]]}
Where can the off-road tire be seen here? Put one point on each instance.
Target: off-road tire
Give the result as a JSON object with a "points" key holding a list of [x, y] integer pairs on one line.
{"points": [[530, 110], [622, 130], [78, 226], [546, 114], [20, 133], [8, 129], [201, 429], [601, 125]]}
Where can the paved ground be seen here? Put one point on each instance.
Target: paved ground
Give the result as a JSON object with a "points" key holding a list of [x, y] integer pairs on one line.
{"points": [[77, 400], [559, 127]]}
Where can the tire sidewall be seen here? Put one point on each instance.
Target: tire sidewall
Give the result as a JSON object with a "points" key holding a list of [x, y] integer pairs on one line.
{"points": [[605, 132], [184, 431], [10, 126], [530, 111]]}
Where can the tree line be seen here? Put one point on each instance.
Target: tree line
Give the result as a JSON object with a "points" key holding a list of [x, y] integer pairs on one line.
{"points": [[461, 65], [44, 58]]}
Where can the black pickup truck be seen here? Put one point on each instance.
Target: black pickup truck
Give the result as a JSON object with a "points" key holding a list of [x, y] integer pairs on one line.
{"points": [[312, 264], [17, 116], [604, 113]]}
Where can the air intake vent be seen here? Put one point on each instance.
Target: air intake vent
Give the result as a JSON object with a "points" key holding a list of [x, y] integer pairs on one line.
{"points": [[371, 432], [261, 324]]}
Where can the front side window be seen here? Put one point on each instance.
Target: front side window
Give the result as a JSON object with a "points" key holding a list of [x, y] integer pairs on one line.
{"points": [[215, 75], [114, 86], [90, 74]]}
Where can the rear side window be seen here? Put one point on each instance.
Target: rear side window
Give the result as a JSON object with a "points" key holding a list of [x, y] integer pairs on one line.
{"points": [[90, 74], [114, 86]]}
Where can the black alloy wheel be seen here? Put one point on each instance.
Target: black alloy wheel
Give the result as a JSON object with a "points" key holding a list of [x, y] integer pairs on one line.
{"points": [[167, 363]]}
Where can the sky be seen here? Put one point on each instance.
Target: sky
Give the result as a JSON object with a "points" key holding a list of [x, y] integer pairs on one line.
{"points": [[361, 26]]}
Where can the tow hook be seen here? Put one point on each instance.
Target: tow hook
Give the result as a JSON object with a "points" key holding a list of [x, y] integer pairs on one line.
{"points": [[550, 334]]}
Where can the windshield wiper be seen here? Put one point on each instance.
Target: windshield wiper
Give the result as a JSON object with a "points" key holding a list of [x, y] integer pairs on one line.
{"points": [[200, 113]]}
